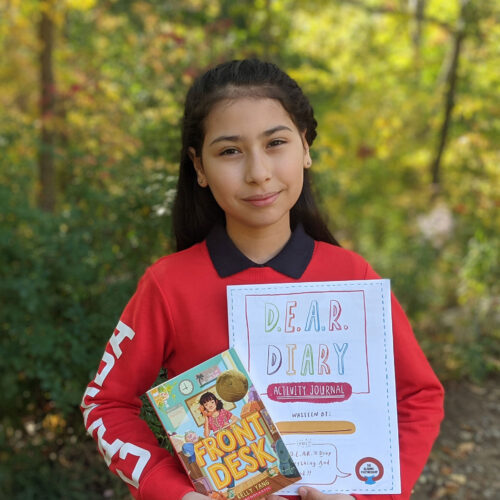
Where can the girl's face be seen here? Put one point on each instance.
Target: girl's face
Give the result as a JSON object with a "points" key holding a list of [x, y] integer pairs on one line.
{"points": [[252, 159], [210, 405]]}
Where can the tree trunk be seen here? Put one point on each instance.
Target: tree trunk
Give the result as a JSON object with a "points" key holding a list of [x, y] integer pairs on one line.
{"points": [[417, 8], [46, 168], [449, 101], [267, 32]]}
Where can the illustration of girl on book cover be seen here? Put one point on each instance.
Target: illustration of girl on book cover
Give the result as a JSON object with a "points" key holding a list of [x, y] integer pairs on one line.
{"points": [[216, 417]]}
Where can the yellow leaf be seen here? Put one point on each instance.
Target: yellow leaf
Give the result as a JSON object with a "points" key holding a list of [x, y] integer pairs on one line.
{"points": [[81, 4], [53, 422]]}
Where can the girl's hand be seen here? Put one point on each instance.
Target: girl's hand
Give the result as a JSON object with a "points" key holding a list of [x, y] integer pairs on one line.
{"points": [[193, 495], [307, 493]]}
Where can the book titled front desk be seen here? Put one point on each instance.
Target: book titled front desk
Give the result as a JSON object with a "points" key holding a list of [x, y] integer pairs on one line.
{"points": [[222, 432], [321, 357]]}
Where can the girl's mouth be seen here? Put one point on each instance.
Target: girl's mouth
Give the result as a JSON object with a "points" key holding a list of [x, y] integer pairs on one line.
{"points": [[262, 200]]}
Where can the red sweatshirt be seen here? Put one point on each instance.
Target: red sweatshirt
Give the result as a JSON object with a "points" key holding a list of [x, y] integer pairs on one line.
{"points": [[178, 318]]}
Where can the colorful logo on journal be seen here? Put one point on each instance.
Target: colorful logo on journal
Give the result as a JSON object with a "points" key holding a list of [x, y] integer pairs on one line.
{"points": [[369, 470]]}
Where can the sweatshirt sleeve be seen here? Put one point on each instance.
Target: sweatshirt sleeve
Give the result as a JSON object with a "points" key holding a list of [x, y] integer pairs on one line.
{"points": [[142, 340], [420, 398]]}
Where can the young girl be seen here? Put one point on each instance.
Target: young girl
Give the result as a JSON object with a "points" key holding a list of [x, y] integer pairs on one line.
{"points": [[215, 415], [244, 213]]}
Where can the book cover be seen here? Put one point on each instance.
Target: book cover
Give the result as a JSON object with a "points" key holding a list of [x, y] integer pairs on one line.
{"points": [[222, 432], [321, 356]]}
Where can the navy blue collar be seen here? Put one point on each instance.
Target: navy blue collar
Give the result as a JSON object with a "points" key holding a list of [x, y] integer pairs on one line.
{"points": [[292, 261]]}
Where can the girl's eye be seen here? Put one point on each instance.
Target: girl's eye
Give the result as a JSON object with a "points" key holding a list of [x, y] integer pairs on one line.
{"points": [[229, 152], [276, 142]]}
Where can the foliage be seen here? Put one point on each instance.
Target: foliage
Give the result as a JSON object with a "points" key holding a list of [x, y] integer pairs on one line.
{"points": [[378, 81]]}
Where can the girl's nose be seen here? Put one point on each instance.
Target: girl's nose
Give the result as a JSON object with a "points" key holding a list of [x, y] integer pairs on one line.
{"points": [[258, 168]]}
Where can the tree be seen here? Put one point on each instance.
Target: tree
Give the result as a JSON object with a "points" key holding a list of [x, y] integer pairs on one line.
{"points": [[46, 168]]}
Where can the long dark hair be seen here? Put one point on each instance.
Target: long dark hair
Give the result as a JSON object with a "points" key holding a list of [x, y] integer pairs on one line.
{"points": [[209, 396], [195, 210]]}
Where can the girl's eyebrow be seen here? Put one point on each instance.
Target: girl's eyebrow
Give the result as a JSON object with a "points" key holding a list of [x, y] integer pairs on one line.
{"points": [[235, 138], [278, 128], [229, 138]]}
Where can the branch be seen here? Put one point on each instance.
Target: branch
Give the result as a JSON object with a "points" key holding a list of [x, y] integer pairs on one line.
{"points": [[380, 9]]}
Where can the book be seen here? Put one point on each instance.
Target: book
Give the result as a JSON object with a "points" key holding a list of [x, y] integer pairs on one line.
{"points": [[321, 357], [222, 432]]}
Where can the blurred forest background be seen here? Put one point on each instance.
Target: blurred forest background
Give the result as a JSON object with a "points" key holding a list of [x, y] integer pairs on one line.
{"points": [[406, 164]]}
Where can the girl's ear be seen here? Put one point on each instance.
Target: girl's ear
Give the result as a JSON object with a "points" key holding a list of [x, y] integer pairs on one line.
{"points": [[307, 156], [198, 166]]}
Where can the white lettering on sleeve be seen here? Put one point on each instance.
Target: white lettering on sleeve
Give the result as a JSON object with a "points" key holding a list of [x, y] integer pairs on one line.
{"points": [[95, 424], [116, 340], [110, 362], [91, 392], [144, 456], [108, 450]]}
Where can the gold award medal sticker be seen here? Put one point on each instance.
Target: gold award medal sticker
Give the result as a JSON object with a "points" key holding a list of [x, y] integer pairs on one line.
{"points": [[232, 385]]}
